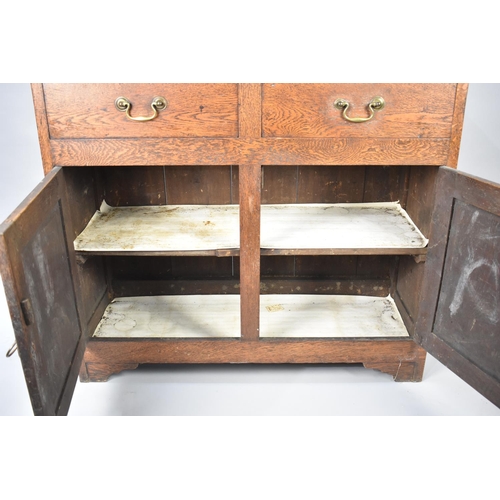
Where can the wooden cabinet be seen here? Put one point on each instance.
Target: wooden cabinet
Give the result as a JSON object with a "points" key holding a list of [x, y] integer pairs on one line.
{"points": [[252, 224]]}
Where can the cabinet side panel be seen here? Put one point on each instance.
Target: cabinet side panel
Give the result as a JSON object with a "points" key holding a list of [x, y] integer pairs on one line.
{"points": [[90, 276], [421, 194], [457, 125], [42, 126], [408, 289]]}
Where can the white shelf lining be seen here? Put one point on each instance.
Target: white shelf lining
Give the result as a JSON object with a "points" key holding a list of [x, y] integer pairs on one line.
{"points": [[176, 316], [281, 316], [329, 316], [340, 225], [161, 228], [214, 227]]}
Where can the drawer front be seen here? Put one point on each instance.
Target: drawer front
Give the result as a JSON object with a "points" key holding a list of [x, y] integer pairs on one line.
{"points": [[77, 111], [307, 110]]}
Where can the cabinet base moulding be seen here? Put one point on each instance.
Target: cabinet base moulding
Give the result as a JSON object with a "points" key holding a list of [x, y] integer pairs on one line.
{"points": [[402, 371], [402, 359], [100, 372]]}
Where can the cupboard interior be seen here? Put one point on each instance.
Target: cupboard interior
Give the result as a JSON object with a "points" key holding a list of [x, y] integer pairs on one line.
{"points": [[181, 274]]}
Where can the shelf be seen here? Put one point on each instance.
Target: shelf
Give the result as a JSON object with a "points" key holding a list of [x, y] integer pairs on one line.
{"points": [[342, 228], [167, 229], [298, 229], [171, 316], [282, 316], [329, 316]]}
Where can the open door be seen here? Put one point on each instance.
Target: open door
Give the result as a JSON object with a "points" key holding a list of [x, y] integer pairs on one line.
{"points": [[36, 272], [459, 319]]}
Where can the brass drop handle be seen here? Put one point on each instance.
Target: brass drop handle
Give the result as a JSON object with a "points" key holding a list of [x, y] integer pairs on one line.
{"points": [[157, 104], [376, 104]]}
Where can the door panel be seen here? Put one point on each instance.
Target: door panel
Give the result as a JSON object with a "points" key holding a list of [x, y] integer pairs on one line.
{"points": [[36, 270], [459, 322]]}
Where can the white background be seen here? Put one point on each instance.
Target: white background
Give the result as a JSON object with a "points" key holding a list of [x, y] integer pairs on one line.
{"points": [[255, 457]]}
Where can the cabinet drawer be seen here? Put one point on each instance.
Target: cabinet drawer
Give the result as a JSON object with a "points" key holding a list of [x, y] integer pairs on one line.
{"points": [[307, 110], [77, 111]]}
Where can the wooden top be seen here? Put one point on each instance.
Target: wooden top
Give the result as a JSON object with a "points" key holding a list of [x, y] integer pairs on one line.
{"points": [[227, 124]]}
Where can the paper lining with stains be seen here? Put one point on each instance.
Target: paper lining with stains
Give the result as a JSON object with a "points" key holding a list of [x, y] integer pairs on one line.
{"points": [[340, 225], [213, 227], [176, 316], [161, 228], [333, 316], [217, 316]]}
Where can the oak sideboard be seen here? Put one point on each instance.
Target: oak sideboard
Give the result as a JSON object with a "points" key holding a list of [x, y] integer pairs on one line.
{"points": [[252, 223]]}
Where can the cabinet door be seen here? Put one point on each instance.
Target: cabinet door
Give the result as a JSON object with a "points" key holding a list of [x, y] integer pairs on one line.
{"points": [[459, 319], [36, 272]]}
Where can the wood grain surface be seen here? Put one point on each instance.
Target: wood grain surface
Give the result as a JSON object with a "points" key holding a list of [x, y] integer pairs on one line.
{"points": [[36, 267], [90, 279], [193, 151], [385, 355], [419, 125], [226, 144], [250, 189], [307, 110], [457, 126], [249, 109], [83, 111], [42, 126], [460, 311]]}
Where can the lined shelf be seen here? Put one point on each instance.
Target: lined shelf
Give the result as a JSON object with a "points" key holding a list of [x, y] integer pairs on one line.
{"points": [[342, 228], [166, 229], [171, 316], [282, 316], [329, 316]]}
